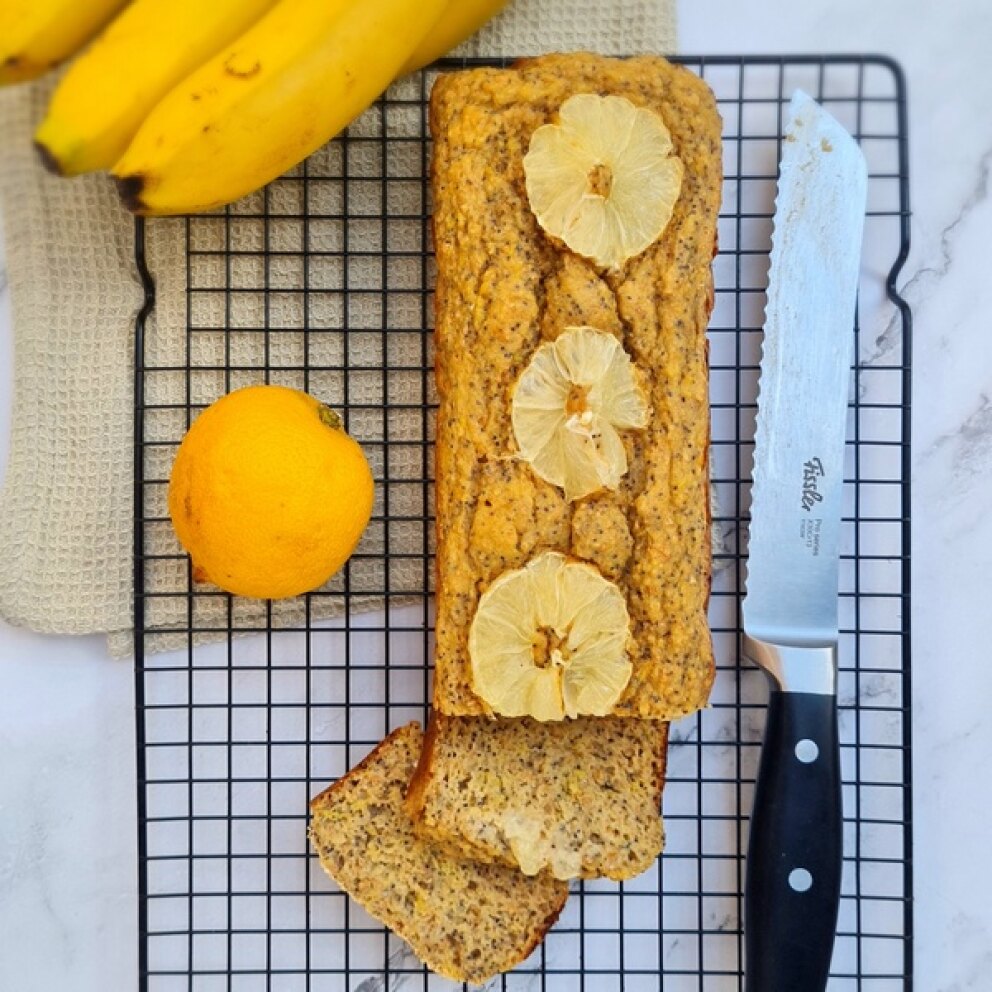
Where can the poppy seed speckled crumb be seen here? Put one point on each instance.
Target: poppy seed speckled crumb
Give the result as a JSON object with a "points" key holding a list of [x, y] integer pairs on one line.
{"points": [[579, 797], [466, 921]]}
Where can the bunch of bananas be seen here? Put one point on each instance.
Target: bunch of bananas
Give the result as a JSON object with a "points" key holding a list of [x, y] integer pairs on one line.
{"points": [[191, 105]]}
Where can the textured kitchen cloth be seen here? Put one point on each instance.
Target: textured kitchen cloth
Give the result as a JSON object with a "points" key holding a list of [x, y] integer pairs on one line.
{"points": [[66, 518]]}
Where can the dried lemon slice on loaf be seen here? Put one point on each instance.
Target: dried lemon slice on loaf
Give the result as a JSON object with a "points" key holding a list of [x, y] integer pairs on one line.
{"points": [[549, 640], [569, 405], [603, 178]]}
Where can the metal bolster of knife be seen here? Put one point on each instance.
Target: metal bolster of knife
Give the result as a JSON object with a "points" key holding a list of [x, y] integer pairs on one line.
{"points": [[796, 668]]}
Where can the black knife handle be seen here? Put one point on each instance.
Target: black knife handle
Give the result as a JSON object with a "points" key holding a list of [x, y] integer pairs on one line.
{"points": [[795, 853]]}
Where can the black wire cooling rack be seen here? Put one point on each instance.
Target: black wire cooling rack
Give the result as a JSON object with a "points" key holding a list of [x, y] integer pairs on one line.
{"points": [[323, 281]]}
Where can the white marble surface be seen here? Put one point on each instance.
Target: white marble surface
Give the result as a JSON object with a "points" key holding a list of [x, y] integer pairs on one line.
{"points": [[67, 848]]}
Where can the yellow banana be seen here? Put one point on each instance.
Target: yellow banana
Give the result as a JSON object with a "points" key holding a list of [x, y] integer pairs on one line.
{"points": [[260, 106], [459, 20], [36, 35], [107, 92]]}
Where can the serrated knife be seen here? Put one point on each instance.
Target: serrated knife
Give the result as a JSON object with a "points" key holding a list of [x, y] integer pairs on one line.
{"points": [[792, 888]]}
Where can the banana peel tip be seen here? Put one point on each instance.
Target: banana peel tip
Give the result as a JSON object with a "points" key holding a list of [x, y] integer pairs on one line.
{"points": [[48, 160], [130, 189]]}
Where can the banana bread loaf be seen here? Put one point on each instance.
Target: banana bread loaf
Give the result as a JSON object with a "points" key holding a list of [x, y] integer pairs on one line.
{"points": [[503, 288]]}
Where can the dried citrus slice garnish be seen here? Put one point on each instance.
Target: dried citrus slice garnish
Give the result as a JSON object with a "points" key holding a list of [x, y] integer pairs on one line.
{"points": [[603, 178], [549, 640], [569, 405]]}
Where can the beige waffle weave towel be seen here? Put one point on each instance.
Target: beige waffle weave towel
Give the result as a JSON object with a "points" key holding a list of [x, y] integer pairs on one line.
{"points": [[66, 518]]}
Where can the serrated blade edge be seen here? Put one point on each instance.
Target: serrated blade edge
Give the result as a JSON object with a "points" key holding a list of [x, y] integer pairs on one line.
{"points": [[797, 482]]}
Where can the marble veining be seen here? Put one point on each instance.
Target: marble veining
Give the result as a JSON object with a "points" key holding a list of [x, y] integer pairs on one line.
{"points": [[402, 957], [923, 282], [970, 441]]}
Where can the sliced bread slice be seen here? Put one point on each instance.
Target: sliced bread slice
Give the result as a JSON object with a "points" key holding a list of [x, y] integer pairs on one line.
{"points": [[464, 920], [579, 797]]}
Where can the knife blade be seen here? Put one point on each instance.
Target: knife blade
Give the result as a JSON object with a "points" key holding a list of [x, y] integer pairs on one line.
{"points": [[792, 887]]}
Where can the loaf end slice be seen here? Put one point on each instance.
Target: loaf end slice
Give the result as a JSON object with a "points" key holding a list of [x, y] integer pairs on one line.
{"points": [[579, 798], [464, 920]]}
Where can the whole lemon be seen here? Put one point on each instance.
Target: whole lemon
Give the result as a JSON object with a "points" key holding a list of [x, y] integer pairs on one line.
{"points": [[268, 494]]}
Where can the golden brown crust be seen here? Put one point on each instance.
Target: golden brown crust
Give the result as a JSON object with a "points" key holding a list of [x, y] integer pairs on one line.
{"points": [[466, 921], [413, 801], [325, 798], [502, 287]]}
